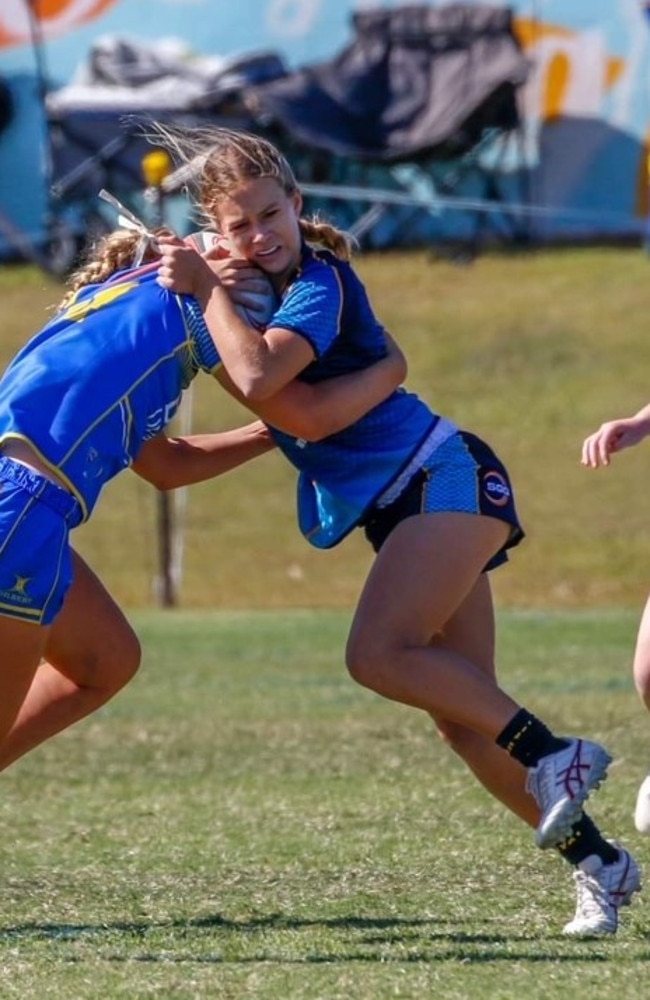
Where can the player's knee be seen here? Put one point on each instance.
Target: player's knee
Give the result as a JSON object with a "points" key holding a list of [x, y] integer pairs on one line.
{"points": [[125, 661], [369, 661], [105, 670]]}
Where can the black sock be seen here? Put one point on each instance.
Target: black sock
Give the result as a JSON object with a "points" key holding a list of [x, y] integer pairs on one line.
{"points": [[527, 739], [586, 839]]}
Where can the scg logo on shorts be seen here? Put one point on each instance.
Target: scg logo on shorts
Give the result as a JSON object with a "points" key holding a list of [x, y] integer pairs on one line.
{"points": [[496, 488]]}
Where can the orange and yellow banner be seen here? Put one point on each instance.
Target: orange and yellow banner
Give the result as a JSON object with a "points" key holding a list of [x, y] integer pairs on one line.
{"points": [[54, 17]]}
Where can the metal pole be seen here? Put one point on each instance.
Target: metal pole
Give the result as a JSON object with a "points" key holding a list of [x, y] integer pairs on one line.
{"points": [[156, 165]]}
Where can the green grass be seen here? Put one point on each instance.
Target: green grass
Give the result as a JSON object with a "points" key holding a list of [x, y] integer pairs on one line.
{"points": [[533, 351], [245, 822]]}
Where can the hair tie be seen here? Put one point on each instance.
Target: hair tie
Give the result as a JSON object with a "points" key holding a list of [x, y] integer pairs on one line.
{"points": [[126, 219]]}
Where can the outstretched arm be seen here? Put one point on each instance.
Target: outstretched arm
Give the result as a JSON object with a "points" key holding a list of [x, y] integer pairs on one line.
{"points": [[170, 462], [613, 436]]}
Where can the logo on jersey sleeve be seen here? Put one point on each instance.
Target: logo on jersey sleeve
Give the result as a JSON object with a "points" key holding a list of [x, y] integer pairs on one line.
{"points": [[496, 488]]}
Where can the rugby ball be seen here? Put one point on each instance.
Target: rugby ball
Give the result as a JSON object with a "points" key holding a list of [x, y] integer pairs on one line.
{"points": [[265, 302]]}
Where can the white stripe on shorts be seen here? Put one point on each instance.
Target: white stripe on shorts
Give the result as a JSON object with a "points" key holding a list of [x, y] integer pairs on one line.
{"points": [[443, 430]]}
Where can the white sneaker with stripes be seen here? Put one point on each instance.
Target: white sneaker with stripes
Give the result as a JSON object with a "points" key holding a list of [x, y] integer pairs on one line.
{"points": [[561, 783], [602, 891]]}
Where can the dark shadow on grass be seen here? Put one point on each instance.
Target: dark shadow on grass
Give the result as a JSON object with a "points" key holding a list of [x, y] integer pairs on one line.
{"points": [[274, 921], [371, 942]]}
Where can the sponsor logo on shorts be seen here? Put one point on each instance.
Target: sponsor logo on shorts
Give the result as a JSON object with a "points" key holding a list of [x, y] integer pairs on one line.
{"points": [[496, 488], [18, 593]]}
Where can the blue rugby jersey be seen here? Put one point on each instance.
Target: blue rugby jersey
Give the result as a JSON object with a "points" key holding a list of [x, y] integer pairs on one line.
{"points": [[104, 376], [342, 475]]}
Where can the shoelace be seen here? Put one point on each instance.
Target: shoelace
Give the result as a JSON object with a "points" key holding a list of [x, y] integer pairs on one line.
{"points": [[593, 898], [542, 781]]}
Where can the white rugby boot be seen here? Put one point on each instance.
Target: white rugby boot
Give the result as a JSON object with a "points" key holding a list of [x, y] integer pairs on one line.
{"points": [[642, 809], [561, 783], [602, 891]]}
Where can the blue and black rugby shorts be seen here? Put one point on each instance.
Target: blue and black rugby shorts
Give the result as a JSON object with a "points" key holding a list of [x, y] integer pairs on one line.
{"points": [[462, 475]]}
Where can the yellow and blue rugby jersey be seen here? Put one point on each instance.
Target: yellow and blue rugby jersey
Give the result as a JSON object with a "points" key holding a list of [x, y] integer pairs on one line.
{"points": [[342, 475], [104, 376]]}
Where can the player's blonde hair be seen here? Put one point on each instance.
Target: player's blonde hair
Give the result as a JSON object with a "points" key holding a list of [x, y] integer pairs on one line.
{"points": [[219, 159], [110, 253]]}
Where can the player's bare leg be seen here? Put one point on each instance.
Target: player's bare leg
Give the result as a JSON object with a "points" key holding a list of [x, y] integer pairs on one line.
{"points": [[21, 647], [89, 654], [641, 672], [470, 633], [425, 571]]}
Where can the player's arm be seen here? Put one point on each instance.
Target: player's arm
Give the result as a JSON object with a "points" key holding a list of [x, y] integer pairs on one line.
{"points": [[258, 365], [615, 435], [260, 371], [170, 462], [314, 411]]}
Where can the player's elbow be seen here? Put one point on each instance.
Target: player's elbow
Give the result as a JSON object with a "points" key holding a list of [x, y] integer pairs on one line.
{"points": [[162, 479], [163, 475], [255, 388]]}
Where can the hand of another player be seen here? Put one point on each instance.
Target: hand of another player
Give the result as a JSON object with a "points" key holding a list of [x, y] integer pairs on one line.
{"points": [[183, 270], [613, 436]]}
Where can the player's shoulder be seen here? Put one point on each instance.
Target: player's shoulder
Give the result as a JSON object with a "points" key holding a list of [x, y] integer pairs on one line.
{"points": [[320, 258], [321, 267]]}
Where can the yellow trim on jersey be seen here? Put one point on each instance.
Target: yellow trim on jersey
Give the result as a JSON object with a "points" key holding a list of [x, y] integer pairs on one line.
{"points": [[21, 611]]}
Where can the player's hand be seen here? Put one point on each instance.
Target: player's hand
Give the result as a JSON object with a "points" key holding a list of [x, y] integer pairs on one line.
{"points": [[246, 284], [613, 436], [183, 270]]}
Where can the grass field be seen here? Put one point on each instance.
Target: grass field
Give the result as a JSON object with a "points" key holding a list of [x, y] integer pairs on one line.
{"points": [[245, 822], [531, 350]]}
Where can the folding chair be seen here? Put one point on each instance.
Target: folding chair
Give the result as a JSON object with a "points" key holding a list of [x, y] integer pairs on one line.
{"points": [[417, 117]]}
